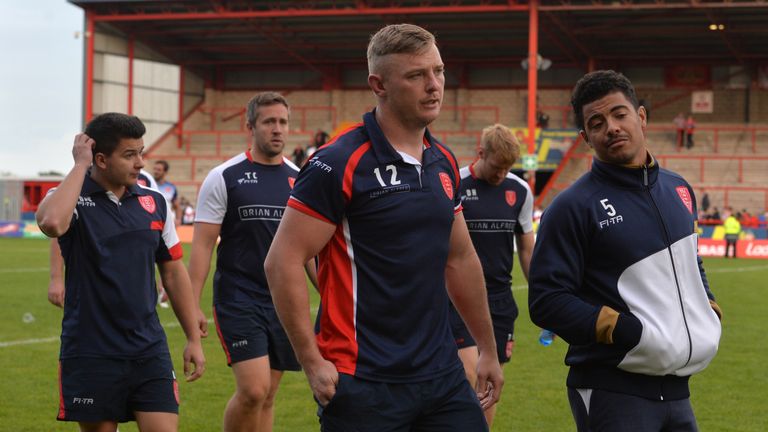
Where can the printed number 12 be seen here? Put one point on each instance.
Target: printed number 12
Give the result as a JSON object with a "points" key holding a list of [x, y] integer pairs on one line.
{"points": [[393, 180]]}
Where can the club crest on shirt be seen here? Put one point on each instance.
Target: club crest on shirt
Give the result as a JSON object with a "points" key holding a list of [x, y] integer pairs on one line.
{"points": [[147, 203], [445, 180], [685, 196], [291, 181], [511, 197]]}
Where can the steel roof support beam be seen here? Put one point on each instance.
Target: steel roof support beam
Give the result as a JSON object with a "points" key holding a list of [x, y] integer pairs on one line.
{"points": [[533, 71], [294, 13]]}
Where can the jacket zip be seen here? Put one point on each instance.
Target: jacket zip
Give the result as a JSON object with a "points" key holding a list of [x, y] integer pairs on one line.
{"points": [[672, 260]]}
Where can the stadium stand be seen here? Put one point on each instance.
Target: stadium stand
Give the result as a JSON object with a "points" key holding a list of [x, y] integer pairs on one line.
{"points": [[297, 49]]}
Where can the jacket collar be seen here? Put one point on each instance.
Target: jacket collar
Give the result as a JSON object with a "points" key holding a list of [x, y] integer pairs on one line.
{"points": [[627, 177]]}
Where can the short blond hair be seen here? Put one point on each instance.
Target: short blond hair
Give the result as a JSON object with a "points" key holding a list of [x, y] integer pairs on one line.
{"points": [[499, 140], [397, 39]]}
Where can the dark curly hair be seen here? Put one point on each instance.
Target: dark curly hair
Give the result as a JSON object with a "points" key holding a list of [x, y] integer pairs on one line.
{"points": [[109, 128], [597, 84]]}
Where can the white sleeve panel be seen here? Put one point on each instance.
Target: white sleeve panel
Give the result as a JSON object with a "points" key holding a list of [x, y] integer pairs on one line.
{"points": [[152, 182], [291, 164], [525, 218], [52, 190], [464, 172], [170, 237], [212, 201]]}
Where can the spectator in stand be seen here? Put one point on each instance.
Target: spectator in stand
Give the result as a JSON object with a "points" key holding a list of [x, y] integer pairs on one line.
{"points": [[542, 119], [705, 202], [679, 122], [187, 212], [690, 125], [320, 138], [715, 215], [745, 218], [299, 155], [732, 231]]}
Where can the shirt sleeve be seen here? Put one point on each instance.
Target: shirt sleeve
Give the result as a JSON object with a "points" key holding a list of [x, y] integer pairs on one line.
{"points": [[525, 218], [212, 201], [170, 246], [557, 272], [318, 190], [74, 212]]}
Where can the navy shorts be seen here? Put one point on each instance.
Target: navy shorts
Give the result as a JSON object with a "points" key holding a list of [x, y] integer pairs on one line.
{"points": [[446, 404], [503, 315], [248, 331], [99, 389]]}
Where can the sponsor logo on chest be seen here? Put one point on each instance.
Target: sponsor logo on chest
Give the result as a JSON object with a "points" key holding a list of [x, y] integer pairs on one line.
{"points": [[85, 202], [470, 195], [261, 212], [315, 162], [249, 177], [612, 216], [491, 225]]}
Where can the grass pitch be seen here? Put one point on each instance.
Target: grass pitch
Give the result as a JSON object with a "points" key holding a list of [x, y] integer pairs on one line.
{"points": [[730, 395]]}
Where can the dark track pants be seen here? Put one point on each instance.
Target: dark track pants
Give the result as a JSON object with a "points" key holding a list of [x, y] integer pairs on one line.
{"points": [[603, 411]]}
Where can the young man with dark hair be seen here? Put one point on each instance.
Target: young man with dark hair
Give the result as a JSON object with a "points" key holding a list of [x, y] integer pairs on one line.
{"points": [[498, 209], [242, 200], [615, 272], [380, 205], [114, 360]]}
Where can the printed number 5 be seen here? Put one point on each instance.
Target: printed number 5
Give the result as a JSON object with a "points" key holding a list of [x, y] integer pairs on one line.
{"points": [[608, 207], [393, 180]]}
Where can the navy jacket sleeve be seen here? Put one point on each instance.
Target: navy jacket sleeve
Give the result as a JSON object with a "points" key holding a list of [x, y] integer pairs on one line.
{"points": [[556, 275]]}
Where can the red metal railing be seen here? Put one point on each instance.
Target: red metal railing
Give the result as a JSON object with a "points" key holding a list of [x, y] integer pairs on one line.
{"points": [[716, 130]]}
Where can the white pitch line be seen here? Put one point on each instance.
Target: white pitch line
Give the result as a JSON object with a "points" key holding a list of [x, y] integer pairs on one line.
{"points": [[56, 338], [737, 269], [24, 270], [28, 341]]}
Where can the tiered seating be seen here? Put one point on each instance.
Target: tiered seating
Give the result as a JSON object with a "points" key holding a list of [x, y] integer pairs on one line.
{"points": [[729, 162], [213, 134]]}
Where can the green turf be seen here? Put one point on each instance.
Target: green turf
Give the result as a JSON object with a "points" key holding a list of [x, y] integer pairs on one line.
{"points": [[729, 396]]}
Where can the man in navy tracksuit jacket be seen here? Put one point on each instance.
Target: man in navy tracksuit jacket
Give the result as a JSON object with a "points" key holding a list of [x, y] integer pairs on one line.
{"points": [[615, 272]]}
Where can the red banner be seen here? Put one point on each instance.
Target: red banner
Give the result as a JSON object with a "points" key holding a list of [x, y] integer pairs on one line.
{"points": [[744, 248]]}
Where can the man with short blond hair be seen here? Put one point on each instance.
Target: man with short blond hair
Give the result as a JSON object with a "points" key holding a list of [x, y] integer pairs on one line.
{"points": [[498, 209], [379, 205]]}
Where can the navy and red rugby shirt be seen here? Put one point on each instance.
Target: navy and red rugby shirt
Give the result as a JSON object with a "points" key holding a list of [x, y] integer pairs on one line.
{"points": [[110, 252], [494, 214], [248, 200], [382, 275]]}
